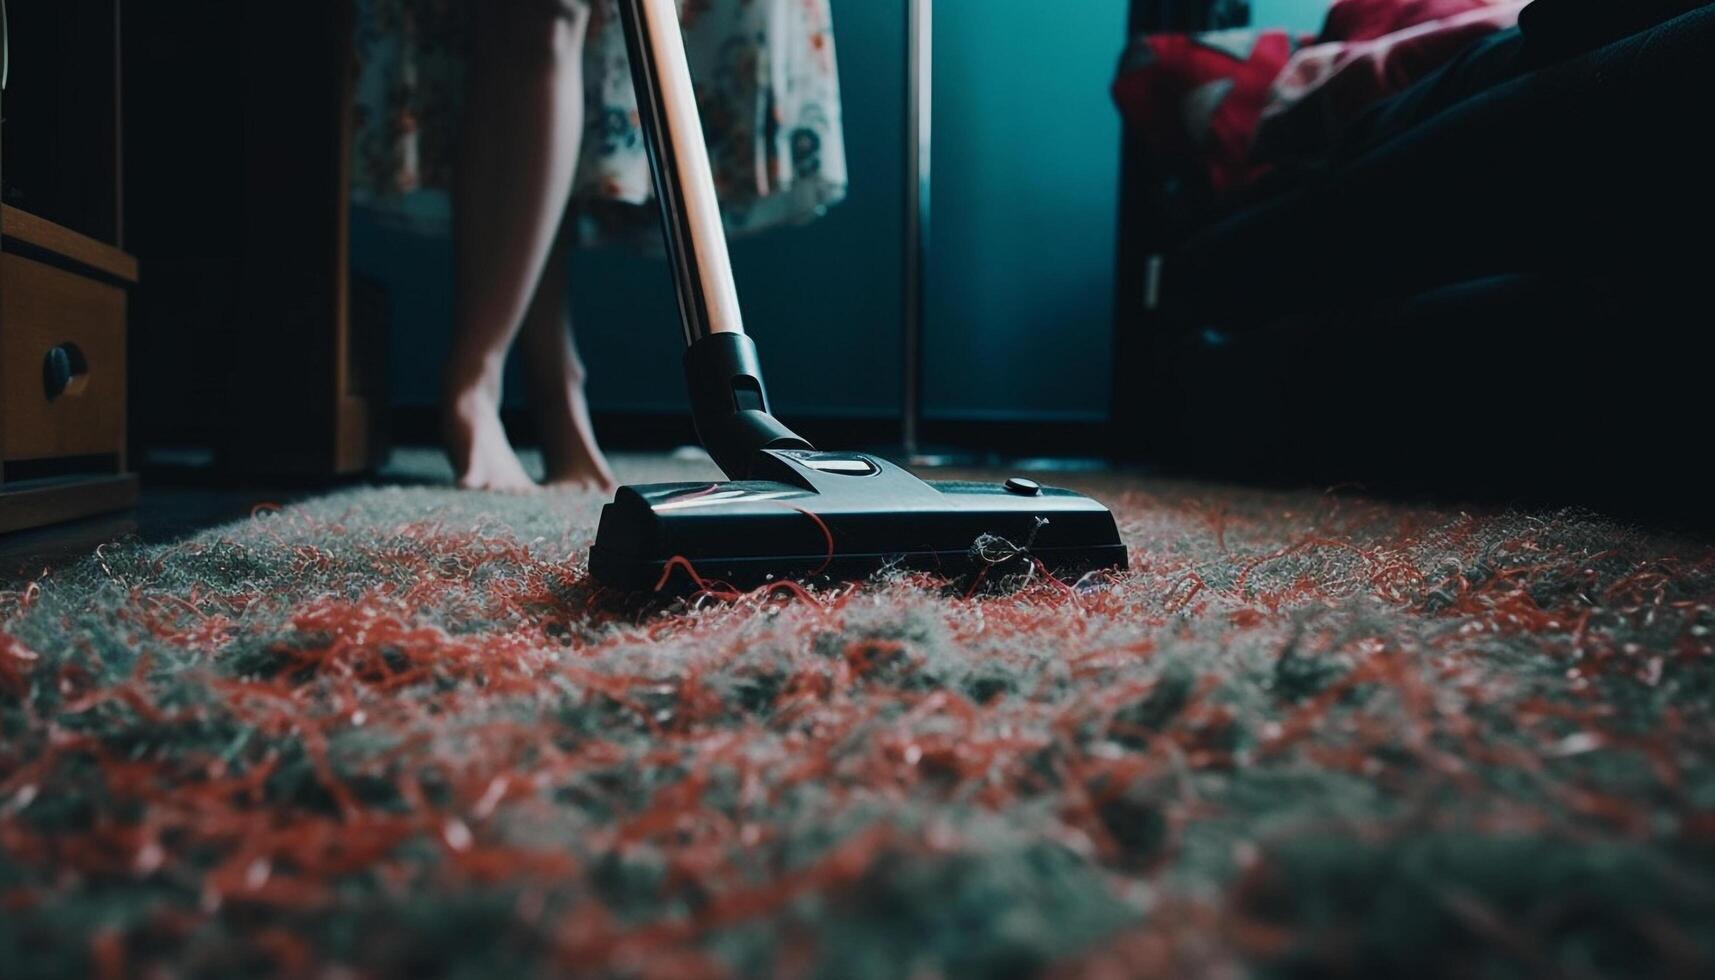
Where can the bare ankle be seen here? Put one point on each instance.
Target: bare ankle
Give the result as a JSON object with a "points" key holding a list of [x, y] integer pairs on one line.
{"points": [[551, 360], [462, 383]]}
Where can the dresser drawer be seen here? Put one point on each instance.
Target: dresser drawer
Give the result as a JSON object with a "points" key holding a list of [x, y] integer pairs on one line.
{"points": [[62, 363]]}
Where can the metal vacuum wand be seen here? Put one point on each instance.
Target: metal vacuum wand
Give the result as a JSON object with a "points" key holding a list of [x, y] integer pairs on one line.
{"points": [[684, 179], [728, 400]]}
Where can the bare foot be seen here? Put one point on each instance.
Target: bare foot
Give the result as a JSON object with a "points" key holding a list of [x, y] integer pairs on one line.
{"points": [[574, 459], [482, 457]]}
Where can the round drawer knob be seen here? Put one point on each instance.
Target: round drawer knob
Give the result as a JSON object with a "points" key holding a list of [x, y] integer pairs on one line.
{"points": [[63, 365]]}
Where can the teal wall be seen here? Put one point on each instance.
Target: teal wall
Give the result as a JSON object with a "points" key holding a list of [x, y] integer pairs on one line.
{"points": [[1026, 184], [1298, 15], [1021, 286]]}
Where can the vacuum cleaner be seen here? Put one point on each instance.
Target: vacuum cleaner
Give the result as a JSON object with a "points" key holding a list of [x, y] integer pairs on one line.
{"points": [[792, 512]]}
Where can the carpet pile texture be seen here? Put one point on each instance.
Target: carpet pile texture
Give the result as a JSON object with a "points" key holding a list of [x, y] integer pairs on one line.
{"points": [[399, 732]]}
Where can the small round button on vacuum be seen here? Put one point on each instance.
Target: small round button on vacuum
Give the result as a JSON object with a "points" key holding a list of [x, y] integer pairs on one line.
{"points": [[1023, 487]]}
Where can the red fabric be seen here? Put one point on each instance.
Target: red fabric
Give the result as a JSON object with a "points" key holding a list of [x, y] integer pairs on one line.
{"points": [[1369, 20], [1199, 97], [1326, 86]]}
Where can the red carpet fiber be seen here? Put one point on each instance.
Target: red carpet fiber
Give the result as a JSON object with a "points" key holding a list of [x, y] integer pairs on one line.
{"points": [[399, 732]]}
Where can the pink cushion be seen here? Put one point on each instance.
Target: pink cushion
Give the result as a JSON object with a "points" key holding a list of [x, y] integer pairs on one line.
{"points": [[1325, 86], [1368, 20], [1196, 98]]}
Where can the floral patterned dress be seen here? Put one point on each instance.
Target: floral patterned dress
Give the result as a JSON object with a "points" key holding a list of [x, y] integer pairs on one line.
{"points": [[766, 81]]}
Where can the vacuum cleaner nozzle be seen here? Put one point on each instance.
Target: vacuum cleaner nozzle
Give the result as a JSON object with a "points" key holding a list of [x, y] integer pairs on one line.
{"points": [[795, 513], [818, 516]]}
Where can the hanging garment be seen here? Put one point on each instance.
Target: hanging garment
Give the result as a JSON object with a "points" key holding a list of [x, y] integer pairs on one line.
{"points": [[766, 80]]}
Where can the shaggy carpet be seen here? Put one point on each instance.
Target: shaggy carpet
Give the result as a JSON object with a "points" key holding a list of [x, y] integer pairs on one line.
{"points": [[399, 732]]}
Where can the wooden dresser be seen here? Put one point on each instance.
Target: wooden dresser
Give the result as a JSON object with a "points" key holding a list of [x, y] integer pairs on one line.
{"points": [[64, 275]]}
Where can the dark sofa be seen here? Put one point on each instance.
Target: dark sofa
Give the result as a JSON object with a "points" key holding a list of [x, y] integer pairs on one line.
{"points": [[1495, 283]]}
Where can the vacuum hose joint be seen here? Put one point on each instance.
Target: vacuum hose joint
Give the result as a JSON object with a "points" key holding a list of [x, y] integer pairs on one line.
{"points": [[730, 404]]}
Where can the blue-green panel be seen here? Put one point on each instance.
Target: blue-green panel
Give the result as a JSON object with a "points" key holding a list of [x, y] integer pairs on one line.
{"points": [[1026, 192], [1297, 15]]}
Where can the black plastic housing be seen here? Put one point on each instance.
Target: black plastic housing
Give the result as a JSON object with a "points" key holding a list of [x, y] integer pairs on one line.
{"points": [[729, 404], [814, 516]]}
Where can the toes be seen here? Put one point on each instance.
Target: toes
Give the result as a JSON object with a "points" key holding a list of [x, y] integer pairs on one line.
{"points": [[505, 476], [482, 482], [585, 482]]}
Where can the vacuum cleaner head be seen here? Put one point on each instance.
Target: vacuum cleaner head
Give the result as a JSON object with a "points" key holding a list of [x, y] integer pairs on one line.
{"points": [[820, 516]]}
